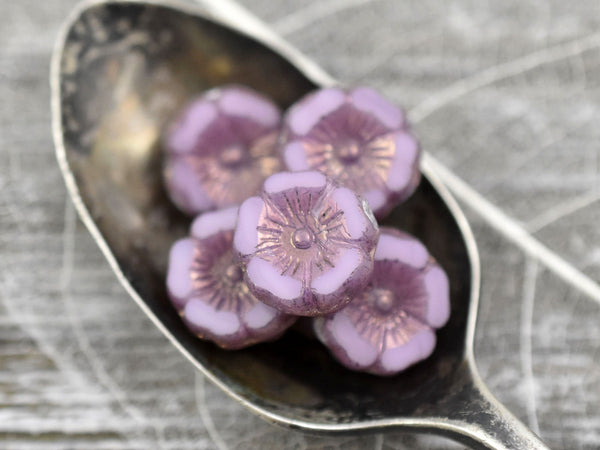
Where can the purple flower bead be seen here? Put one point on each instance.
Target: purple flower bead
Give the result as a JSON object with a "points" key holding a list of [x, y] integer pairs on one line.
{"points": [[307, 244], [357, 137], [390, 326], [206, 286], [221, 149]]}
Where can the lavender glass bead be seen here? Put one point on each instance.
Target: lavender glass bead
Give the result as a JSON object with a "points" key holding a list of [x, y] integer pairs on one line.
{"points": [[206, 286], [357, 137], [390, 326], [307, 244], [221, 149]]}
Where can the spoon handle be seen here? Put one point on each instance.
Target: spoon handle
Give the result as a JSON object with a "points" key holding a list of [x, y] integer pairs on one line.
{"points": [[476, 418]]}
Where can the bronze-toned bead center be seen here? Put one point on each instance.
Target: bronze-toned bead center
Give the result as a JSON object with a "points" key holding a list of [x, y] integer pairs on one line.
{"points": [[234, 273], [232, 156], [302, 238], [349, 152], [384, 300]]}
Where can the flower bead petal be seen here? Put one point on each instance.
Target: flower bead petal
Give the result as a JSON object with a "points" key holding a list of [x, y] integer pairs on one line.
{"points": [[221, 149], [407, 299], [317, 106], [184, 188], [208, 224], [376, 199], [418, 348], [185, 133], [295, 157], [404, 166], [356, 137], [406, 250], [333, 279], [260, 315], [360, 352], [246, 235], [179, 281], [206, 284], [307, 245], [205, 318], [369, 100], [243, 102], [263, 276], [438, 291], [285, 181], [351, 206]]}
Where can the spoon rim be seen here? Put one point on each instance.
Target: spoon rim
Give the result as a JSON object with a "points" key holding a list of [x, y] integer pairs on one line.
{"points": [[318, 77]]}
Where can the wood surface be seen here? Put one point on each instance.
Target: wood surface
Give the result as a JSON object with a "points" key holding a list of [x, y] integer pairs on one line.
{"points": [[505, 94]]}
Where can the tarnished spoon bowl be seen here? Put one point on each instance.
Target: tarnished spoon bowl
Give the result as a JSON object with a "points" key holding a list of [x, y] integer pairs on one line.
{"points": [[120, 72]]}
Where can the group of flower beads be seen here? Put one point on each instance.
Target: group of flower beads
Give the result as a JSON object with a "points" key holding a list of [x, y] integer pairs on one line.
{"points": [[268, 245]]}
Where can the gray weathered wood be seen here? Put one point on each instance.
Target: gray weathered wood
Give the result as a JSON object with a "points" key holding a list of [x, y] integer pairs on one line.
{"points": [[511, 92]]}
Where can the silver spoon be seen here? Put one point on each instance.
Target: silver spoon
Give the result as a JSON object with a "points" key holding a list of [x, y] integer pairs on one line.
{"points": [[120, 71]]}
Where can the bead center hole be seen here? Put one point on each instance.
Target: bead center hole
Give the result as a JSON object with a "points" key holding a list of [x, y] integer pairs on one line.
{"points": [[234, 273], [302, 238], [349, 151], [383, 300], [232, 156]]}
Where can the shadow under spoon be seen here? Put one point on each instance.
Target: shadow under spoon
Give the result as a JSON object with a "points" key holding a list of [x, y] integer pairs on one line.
{"points": [[120, 72]]}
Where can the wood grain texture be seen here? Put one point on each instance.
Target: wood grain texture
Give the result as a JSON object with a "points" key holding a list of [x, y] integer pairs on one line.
{"points": [[507, 95]]}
